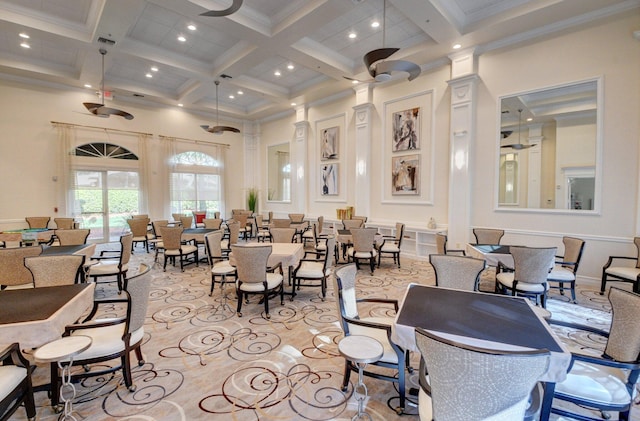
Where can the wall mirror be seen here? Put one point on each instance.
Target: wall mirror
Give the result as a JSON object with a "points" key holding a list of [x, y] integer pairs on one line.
{"points": [[549, 145], [279, 173]]}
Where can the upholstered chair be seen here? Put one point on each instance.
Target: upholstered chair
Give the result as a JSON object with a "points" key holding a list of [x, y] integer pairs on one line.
{"points": [[616, 270], [529, 275], [488, 235], [280, 223], [15, 383], [72, 237], [138, 228], [55, 270], [352, 223], [282, 235], [38, 221], [212, 223], [391, 245], [113, 263], [14, 274], [64, 223], [566, 267], [314, 269], [363, 247], [457, 272], [441, 245], [175, 248], [220, 267]]}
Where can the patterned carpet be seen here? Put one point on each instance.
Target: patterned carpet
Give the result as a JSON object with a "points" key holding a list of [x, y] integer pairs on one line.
{"points": [[204, 362]]}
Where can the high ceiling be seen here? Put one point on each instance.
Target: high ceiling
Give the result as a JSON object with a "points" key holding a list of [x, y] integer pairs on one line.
{"points": [[263, 37]]}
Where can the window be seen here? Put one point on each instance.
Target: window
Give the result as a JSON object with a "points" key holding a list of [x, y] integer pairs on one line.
{"points": [[195, 183]]}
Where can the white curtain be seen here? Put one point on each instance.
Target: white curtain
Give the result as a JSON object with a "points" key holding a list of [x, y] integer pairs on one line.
{"points": [[143, 169]]}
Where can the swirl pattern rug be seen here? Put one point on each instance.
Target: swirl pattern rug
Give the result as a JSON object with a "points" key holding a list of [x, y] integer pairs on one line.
{"points": [[202, 361]]}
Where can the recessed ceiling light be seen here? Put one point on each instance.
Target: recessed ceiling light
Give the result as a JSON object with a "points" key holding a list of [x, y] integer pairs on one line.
{"points": [[25, 45], [181, 38], [149, 75], [87, 85], [375, 24], [529, 119], [456, 46], [180, 105], [352, 35], [154, 69], [277, 73], [293, 104], [240, 93], [355, 82], [191, 27], [231, 97], [23, 35], [290, 66]]}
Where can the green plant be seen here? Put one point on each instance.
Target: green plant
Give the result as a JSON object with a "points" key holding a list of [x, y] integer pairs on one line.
{"points": [[252, 198]]}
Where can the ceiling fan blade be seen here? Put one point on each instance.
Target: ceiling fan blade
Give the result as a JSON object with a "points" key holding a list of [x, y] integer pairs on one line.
{"points": [[517, 146], [358, 80], [225, 12], [374, 56], [220, 129], [114, 111], [92, 106], [399, 65]]}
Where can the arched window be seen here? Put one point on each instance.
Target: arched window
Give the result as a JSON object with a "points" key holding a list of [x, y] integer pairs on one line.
{"points": [[104, 150], [195, 183]]}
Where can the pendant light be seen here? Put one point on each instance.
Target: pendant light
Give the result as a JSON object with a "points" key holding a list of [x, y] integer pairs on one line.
{"points": [[218, 129], [518, 146], [100, 109]]}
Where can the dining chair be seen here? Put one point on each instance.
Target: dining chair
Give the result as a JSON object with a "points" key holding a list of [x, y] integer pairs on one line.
{"points": [[363, 247], [391, 245], [64, 223], [38, 221], [280, 223], [212, 223], [220, 267], [113, 263], [138, 227], [566, 267], [72, 237], [528, 277], [111, 337], [296, 218], [48, 271], [457, 272], [140, 216], [466, 382], [16, 388], [174, 248], [362, 218], [488, 235], [310, 234], [186, 221], [198, 217], [441, 245], [621, 272], [282, 235], [242, 218], [314, 269], [379, 328], [352, 223], [176, 216], [233, 238], [605, 383], [253, 277], [13, 273], [261, 232]]}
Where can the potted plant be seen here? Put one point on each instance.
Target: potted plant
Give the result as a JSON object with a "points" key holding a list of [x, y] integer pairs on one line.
{"points": [[252, 199]]}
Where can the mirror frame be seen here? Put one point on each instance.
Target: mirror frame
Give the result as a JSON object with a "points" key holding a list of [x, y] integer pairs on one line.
{"points": [[276, 145], [597, 198]]}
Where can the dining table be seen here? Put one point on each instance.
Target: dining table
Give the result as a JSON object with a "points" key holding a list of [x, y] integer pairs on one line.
{"points": [[485, 320], [492, 254], [86, 250], [196, 234], [36, 316]]}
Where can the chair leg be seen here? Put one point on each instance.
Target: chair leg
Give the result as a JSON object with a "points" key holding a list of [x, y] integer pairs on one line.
{"points": [[573, 292], [266, 303], [55, 385], [603, 283], [139, 355], [213, 283], [239, 293], [126, 371], [345, 378], [398, 260]]}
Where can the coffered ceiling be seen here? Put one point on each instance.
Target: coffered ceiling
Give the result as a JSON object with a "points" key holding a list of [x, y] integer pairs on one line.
{"points": [[251, 45]]}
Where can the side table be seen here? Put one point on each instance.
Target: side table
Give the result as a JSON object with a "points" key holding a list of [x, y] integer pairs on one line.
{"points": [[362, 350], [62, 351]]}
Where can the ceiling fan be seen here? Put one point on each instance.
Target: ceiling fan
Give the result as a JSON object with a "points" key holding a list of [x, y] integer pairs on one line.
{"points": [[517, 146], [225, 12], [377, 64], [100, 109], [217, 129]]}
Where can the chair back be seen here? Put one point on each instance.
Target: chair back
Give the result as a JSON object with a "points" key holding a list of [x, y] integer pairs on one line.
{"points": [[269, 216], [216, 215], [140, 216], [280, 223], [488, 235], [234, 232], [363, 239], [241, 218], [441, 243], [12, 268], [532, 264], [138, 289], [573, 248], [198, 216], [176, 216], [352, 223], [126, 242], [469, 383], [320, 225], [624, 335], [212, 223], [72, 237], [171, 237], [296, 218], [282, 235], [49, 271], [186, 221], [362, 218], [213, 246], [64, 223], [399, 233], [38, 221], [251, 262], [155, 226], [345, 287], [138, 226], [329, 254], [457, 272]]}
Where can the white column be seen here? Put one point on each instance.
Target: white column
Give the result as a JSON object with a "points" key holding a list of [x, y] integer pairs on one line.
{"points": [[363, 158], [462, 134], [299, 161], [251, 137]]}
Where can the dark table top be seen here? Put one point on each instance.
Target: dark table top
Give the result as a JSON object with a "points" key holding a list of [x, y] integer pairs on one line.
{"points": [[31, 304], [198, 230], [62, 250], [492, 248], [503, 319]]}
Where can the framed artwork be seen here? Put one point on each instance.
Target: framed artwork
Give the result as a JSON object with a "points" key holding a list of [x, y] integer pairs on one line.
{"points": [[329, 179], [329, 143], [405, 130], [405, 175]]}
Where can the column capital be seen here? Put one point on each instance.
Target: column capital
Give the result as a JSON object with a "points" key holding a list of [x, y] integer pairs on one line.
{"points": [[363, 113], [302, 129]]}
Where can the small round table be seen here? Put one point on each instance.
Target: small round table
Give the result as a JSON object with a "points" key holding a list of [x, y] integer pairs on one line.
{"points": [[361, 350], [58, 351]]}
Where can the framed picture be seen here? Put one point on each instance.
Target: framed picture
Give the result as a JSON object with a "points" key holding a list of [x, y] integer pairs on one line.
{"points": [[329, 143], [405, 175], [406, 130], [329, 179]]}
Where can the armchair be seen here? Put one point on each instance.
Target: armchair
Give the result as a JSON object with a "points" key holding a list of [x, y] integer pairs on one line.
{"points": [[55, 270], [391, 245], [138, 227], [314, 270], [488, 235], [529, 275], [114, 263], [38, 221], [441, 245], [175, 247], [64, 223], [220, 266], [457, 272], [620, 272], [283, 235], [14, 274], [15, 383], [72, 237], [566, 267], [363, 247], [198, 217]]}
